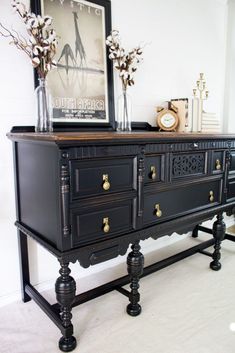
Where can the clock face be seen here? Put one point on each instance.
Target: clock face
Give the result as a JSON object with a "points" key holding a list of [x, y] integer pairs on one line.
{"points": [[168, 120]]}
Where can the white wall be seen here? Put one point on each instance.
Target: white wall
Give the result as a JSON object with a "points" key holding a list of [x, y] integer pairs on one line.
{"points": [[183, 38], [229, 102]]}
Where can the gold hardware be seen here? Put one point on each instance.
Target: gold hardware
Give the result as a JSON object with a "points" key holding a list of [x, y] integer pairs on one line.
{"points": [[211, 196], [159, 109], [158, 211], [153, 173], [106, 226], [217, 164], [106, 183]]}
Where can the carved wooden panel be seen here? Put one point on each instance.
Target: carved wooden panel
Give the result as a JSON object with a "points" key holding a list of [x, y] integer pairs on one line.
{"points": [[188, 164]]}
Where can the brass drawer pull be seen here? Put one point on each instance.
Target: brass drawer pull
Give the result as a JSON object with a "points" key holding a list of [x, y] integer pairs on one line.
{"points": [[158, 211], [218, 164], [153, 173], [106, 226], [211, 196], [106, 183]]}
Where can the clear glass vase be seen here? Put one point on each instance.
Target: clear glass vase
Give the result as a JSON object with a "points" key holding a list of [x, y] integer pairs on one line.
{"points": [[124, 112], [43, 107]]}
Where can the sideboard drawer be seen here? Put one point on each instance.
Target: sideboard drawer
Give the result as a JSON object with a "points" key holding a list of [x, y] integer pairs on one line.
{"points": [[232, 162], [102, 222], [231, 188], [217, 161], [181, 201], [154, 168], [102, 176], [188, 165]]}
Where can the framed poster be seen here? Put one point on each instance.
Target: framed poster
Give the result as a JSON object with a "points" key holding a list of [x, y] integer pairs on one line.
{"points": [[82, 84]]}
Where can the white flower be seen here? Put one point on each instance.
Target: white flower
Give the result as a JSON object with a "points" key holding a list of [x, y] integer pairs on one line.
{"points": [[54, 44], [52, 34], [109, 38], [37, 50], [118, 53], [47, 20], [122, 62], [112, 56], [40, 44], [125, 75], [32, 23], [115, 33], [35, 62], [34, 31], [15, 3], [40, 20]]}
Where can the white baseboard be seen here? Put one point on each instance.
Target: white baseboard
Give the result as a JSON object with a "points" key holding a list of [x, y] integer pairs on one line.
{"points": [[16, 296]]}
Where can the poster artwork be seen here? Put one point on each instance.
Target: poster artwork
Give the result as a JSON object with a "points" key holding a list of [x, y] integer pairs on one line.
{"points": [[79, 84]]}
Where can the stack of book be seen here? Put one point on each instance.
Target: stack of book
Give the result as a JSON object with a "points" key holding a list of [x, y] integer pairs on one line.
{"points": [[210, 123]]}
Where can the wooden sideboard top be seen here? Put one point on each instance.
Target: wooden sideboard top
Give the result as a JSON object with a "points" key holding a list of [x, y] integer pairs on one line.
{"points": [[60, 137]]}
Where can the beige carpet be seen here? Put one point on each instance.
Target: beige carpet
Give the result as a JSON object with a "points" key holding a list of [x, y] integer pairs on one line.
{"points": [[231, 230], [187, 308]]}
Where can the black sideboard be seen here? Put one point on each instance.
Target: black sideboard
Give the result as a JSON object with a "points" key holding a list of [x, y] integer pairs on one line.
{"points": [[87, 196]]}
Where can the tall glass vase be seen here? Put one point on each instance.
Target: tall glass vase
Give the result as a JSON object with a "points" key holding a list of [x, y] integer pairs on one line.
{"points": [[124, 112], [43, 107]]}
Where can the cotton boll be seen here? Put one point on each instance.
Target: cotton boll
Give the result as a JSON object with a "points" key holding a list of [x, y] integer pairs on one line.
{"points": [[40, 20], [37, 50], [35, 62], [47, 20]]}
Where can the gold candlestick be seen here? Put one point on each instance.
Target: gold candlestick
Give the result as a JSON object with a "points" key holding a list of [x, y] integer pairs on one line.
{"points": [[200, 93]]}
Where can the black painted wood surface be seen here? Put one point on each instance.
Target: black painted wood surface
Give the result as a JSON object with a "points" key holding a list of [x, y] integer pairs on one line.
{"points": [[63, 200], [87, 196]]}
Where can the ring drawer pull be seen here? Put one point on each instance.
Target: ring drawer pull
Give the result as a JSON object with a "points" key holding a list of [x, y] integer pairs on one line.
{"points": [[153, 172], [218, 164], [158, 211], [106, 226], [211, 196], [106, 183]]}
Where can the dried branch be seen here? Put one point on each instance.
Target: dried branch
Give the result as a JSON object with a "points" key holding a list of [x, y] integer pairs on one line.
{"points": [[41, 44], [125, 62], [15, 40]]}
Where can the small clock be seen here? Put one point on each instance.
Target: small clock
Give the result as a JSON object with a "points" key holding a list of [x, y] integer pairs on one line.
{"points": [[167, 120]]}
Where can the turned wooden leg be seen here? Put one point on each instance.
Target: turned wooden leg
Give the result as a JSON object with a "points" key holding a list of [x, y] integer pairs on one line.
{"points": [[195, 232], [135, 264], [65, 288], [219, 229]]}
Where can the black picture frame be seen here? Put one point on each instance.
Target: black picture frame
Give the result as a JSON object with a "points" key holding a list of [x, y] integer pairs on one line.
{"points": [[36, 7]]}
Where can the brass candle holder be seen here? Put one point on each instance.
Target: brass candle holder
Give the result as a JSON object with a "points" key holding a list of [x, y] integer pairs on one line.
{"points": [[200, 94]]}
